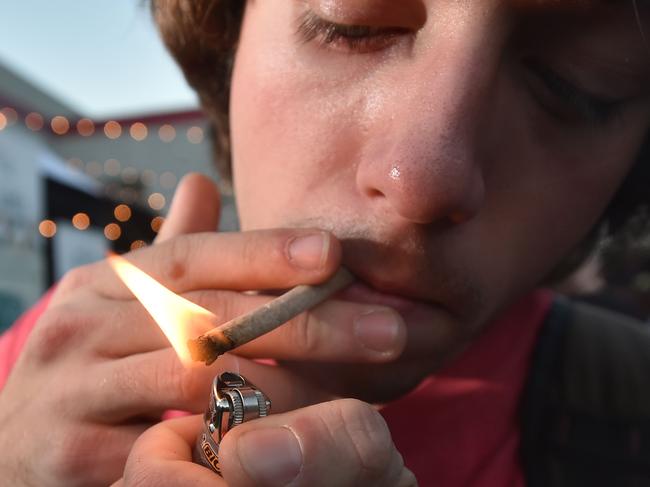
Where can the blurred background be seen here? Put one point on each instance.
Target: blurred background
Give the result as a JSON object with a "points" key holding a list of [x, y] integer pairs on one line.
{"points": [[97, 126]]}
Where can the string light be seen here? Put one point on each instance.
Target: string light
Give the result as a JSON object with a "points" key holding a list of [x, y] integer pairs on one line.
{"points": [[112, 129], [138, 244], [157, 223], [60, 125], [167, 133], [47, 228], [85, 127], [138, 131], [112, 231], [156, 201], [81, 221], [195, 135], [122, 213], [34, 121]]}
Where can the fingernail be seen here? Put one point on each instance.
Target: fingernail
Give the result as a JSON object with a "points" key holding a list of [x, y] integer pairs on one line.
{"points": [[309, 252], [378, 330], [270, 456]]}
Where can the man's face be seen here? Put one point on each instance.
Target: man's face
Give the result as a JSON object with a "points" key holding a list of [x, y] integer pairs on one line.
{"points": [[458, 149]]}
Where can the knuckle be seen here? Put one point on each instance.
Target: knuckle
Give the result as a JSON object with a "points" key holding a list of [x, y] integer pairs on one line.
{"points": [[219, 302], [172, 380], [70, 459], [249, 250], [304, 333], [55, 331], [368, 436], [175, 376], [76, 278]]}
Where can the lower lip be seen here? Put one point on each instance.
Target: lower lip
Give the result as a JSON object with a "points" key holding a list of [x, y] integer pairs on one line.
{"points": [[361, 293]]}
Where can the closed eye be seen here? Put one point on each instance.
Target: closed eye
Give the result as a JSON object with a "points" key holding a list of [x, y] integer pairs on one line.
{"points": [[354, 38], [569, 102]]}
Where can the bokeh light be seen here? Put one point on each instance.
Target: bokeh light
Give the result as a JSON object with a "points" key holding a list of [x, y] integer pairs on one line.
{"points": [[85, 127], [34, 121], [157, 223], [148, 177], [168, 180], [60, 125], [10, 115], [112, 167], [3, 121], [47, 228], [76, 163], [81, 221], [138, 131], [94, 169], [156, 201], [195, 135], [112, 231], [112, 129], [167, 133], [122, 213], [138, 244], [129, 175]]}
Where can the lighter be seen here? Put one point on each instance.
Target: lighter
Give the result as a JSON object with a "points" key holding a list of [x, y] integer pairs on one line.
{"points": [[241, 401]]}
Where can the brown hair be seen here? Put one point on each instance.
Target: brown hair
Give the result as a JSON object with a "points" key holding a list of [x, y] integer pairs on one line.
{"points": [[202, 35]]}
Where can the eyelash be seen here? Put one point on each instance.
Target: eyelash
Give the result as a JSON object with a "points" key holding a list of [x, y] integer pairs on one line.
{"points": [[577, 103], [595, 109], [356, 38]]}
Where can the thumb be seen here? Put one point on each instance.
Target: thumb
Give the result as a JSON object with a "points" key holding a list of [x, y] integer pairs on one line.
{"points": [[344, 443], [195, 208]]}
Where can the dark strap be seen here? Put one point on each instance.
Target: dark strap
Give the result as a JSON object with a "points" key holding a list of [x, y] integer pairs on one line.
{"points": [[586, 409]]}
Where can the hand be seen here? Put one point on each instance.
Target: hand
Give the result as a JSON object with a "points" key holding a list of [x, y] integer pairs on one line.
{"points": [[339, 443], [96, 371]]}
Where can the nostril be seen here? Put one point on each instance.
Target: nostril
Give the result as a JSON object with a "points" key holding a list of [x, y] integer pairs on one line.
{"points": [[375, 193], [458, 217]]}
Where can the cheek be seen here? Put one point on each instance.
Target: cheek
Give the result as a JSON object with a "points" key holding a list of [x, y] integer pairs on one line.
{"points": [[289, 131], [561, 194]]}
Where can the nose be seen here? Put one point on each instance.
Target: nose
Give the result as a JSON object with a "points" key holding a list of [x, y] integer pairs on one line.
{"points": [[422, 156]]}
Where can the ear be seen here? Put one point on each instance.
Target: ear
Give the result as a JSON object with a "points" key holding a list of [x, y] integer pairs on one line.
{"points": [[195, 208]]}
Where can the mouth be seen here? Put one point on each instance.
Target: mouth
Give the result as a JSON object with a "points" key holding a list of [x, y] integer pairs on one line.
{"points": [[361, 291]]}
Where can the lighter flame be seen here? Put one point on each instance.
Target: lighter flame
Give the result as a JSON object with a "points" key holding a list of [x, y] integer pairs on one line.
{"points": [[178, 318]]}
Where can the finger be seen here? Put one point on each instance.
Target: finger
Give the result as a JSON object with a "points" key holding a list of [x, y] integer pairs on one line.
{"points": [[162, 457], [342, 443], [96, 453], [264, 259], [336, 331], [195, 208], [149, 384]]}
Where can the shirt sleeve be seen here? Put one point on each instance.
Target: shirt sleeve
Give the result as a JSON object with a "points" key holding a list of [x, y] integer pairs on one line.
{"points": [[13, 340]]}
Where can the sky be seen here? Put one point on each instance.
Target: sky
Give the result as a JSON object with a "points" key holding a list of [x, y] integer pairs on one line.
{"points": [[103, 58]]}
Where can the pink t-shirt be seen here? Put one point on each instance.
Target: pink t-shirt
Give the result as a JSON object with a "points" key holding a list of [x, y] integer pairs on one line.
{"points": [[460, 427]]}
